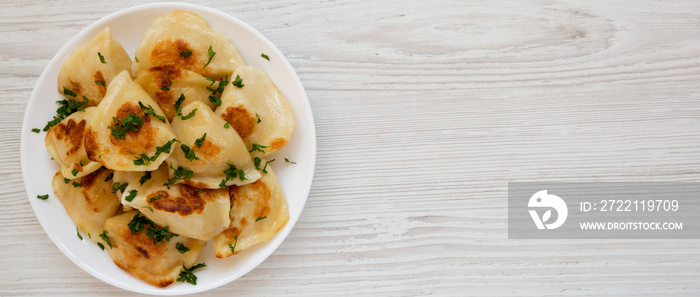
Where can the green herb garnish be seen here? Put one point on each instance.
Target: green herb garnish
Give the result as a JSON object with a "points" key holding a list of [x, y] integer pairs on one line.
{"points": [[211, 55], [261, 218], [257, 117], [232, 173], [76, 184], [227, 125], [131, 196], [155, 198], [257, 161], [264, 56], [146, 176], [100, 83], [102, 58], [233, 247], [43, 197], [68, 92], [105, 238], [159, 235], [36, 130], [187, 117], [215, 100], [238, 82], [102, 246], [74, 172], [66, 108], [200, 140], [189, 153], [181, 248], [119, 187], [186, 53], [287, 160], [170, 83], [178, 174], [148, 110], [77, 231], [258, 148], [139, 222], [129, 123], [109, 177], [187, 275]]}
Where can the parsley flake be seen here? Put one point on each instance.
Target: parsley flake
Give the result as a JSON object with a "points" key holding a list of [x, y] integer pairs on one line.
{"points": [[102, 58], [186, 53], [232, 173], [215, 100], [119, 187], [77, 231], [139, 222], [188, 116], [287, 160], [258, 148], [100, 83], [145, 177], [76, 185], [155, 198], [187, 275], [238, 82], [148, 110], [211, 55], [131, 196], [178, 174], [36, 130], [233, 247], [200, 140], [264, 56], [257, 117], [166, 87], [102, 246], [160, 235], [257, 161], [129, 123], [66, 108], [227, 125], [105, 238], [181, 248], [189, 153], [109, 177], [261, 218], [43, 197]]}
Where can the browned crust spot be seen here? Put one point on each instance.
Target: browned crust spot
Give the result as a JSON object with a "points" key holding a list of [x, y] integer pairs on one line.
{"points": [[262, 197], [73, 132], [208, 149], [240, 119], [162, 78], [167, 52], [134, 142], [277, 144], [91, 146], [187, 203], [101, 90], [140, 252]]}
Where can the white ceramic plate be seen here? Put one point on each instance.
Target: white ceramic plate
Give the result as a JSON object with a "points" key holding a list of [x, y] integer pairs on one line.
{"points": [[127, 28]]}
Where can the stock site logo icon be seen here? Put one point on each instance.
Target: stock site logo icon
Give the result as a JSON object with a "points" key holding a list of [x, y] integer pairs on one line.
{"points": [[542, 200]]}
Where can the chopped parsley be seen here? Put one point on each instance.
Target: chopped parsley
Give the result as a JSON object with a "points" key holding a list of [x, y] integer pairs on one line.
{"points": [[139, 222], [43, 197], [257, 117], [136, 59], [232, 173], [287, 160], [179, 102], [258, 148], [68, 92], [129, 123], [119, 187], [109, 177], [188, 116], [220, 88], [148, 110], [215, 100], [227, 125], [143, 159], [146, 176], [257, 161], [167, 87], [155, 198], [159, 235], [66, 108], [178, 174], [264, 56], [200, 140], [102, 58], [233, 247], [211, 55], [36, 130], [100, 83], [261, 218], [102, 246], [77, 231], [131, 196], [186, 53], [74, 172], [76, 184], [181, 248], [238, 82], [105, 238], [187, 275], [149, 208], [189, 153], [65, 180]]}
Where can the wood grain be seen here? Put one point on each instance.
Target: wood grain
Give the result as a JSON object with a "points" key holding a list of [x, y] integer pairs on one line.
{"points": [[424, 111]]}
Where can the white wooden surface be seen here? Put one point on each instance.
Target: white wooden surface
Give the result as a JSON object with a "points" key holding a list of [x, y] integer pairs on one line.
{"points": [[425, 110]]}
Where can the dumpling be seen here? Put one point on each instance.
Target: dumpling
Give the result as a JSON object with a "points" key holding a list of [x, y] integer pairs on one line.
{"points": [[257, 111], [167, 83], [157, 263], [65, 144], [128, 131], [188, 211], [91, 67], [220, 160], [184, 39], [258, 211], [88, 200]]}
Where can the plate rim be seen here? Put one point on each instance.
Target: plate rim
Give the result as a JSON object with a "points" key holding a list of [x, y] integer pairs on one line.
{"points": [[69, 46]]}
